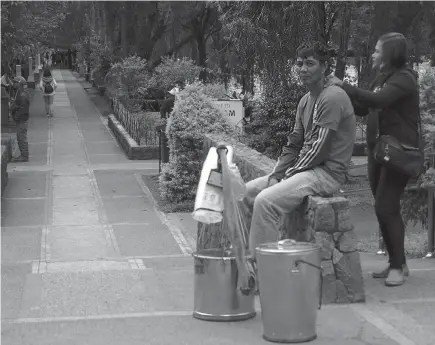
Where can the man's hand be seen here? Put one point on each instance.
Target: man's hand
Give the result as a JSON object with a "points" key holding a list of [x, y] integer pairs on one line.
{"points": [[272, 182]]}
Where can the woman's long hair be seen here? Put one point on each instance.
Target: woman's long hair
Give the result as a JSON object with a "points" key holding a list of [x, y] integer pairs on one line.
{"points": [[394, 50], [394, 56], [47, 73], [46, 76]]}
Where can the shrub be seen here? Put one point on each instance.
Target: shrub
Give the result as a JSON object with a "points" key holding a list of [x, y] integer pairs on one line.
{"points": [[100, 57], [414, 204], [127, 81], [194, 114], [273, 118], [172, 71]]}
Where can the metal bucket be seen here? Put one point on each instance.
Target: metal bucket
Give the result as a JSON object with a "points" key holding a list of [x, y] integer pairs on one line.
{"points": [[216, 297], [289, 278]]}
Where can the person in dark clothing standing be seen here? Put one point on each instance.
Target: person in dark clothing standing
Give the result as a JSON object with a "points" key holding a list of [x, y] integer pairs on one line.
{"points": [[69, 59], [20, 114], [392, 105]]}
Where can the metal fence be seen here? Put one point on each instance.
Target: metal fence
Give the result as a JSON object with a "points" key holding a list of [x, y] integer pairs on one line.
{"points": [[361, 129], [140, 128]]}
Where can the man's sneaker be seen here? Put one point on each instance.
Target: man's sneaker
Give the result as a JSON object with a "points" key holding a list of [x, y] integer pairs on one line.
{"points": [[395, 277], [20, 159], [384, 273]]}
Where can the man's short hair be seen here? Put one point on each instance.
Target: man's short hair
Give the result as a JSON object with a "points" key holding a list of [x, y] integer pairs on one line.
{"points": [[317, 50]]}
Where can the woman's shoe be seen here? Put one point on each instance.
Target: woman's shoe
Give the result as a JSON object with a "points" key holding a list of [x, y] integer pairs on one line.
{"points": [[384, 273], [396, 277]]}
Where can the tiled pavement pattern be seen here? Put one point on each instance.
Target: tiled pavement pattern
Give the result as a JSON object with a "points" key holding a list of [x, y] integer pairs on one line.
{"points": [[87, 258]]}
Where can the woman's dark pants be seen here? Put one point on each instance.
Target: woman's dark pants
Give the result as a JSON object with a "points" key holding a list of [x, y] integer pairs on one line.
{"points": [[387, 186]]}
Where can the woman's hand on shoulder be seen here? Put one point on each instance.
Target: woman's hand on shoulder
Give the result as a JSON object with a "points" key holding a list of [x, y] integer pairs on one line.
{"points": [[333, 80]]}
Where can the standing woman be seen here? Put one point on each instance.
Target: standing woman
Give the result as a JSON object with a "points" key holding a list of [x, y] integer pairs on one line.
{"points": [[48, 86], [392, 105]]}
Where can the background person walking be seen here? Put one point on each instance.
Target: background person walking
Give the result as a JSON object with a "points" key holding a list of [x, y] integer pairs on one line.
{"points": [[20, 114], [48, 86]]}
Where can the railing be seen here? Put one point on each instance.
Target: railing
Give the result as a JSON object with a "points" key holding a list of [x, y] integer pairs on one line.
{"points": [[361, 131], [136, 124]]}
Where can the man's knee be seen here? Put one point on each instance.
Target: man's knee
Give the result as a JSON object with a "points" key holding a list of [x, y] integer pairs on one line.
{"points": [[253, 188], [263, 200]]}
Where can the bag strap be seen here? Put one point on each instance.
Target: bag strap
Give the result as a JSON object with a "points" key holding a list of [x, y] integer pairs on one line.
{"points": [[419, 132]]}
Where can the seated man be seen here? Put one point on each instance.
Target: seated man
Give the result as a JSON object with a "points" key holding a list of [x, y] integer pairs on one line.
{"points": [[316, 157]]}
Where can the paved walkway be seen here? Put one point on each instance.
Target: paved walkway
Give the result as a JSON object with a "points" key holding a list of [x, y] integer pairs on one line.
{"points": [[87, 258]]}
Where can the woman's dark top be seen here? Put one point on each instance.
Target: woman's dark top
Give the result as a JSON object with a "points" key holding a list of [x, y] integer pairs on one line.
{"points": [[394, 98]]}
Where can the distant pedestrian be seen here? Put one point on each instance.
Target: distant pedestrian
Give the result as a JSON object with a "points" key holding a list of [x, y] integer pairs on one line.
{"points": [[48, 86], [5, 80], [20, 113]]}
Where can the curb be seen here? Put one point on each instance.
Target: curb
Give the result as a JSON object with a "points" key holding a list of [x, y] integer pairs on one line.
{"points": [[129, 145]]}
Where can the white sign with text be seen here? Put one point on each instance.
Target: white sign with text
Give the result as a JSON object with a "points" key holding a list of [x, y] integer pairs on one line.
{"points": [[232, 110]]}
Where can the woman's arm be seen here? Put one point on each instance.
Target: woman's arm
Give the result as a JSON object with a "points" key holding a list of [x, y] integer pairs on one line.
{"points": [[358, 109], [397, 86]]}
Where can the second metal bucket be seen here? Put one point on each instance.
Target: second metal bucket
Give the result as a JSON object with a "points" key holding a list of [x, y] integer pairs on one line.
{"points": [[289, 277], [216, 297]]}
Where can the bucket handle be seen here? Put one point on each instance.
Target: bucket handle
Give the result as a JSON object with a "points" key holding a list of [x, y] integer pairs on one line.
{"points": [[299, 261]]}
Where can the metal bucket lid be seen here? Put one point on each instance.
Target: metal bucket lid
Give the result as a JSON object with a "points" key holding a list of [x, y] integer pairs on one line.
{"points": [[287, 247]]}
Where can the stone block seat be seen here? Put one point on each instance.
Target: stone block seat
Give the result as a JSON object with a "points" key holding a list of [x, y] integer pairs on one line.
{"points": [[326, 222], [321, 220]]}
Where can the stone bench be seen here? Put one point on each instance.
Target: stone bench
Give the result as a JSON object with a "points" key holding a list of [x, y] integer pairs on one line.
{"points": [[322, 220]]}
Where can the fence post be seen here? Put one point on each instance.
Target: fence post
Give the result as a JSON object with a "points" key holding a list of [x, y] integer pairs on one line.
{"points": [[430, 223], [160, 153], [431, 214]]}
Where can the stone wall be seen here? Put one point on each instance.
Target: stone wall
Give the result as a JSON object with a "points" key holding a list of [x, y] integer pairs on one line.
{"points": [[325, 221]]}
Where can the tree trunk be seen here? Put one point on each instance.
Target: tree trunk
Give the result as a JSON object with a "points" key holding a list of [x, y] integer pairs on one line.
{"points": [[319, 23], [193, 51], [124, 28], [202, 55], [344, 41]]}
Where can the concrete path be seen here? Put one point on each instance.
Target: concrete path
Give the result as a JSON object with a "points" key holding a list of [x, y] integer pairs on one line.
{"points": [[88, 259]]}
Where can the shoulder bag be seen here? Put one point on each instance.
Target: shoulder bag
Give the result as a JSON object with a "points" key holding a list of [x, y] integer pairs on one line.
{"points": [[404, 158]]}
